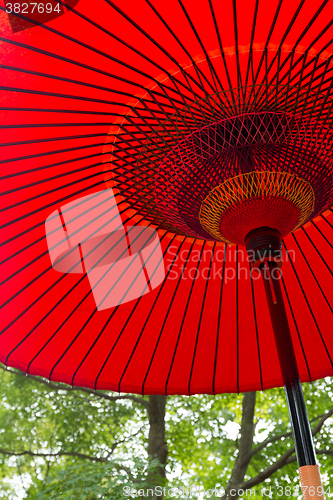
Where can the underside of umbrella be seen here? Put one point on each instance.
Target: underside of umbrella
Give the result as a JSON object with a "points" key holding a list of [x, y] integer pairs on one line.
{"points": [[207, 123], [158, 159]]}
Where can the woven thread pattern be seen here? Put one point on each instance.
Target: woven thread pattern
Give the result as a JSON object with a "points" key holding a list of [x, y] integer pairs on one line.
{"points": [[197, 149], [261, 185], [208, 157]]}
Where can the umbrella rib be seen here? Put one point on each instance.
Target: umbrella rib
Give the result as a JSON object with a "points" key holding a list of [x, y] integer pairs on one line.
{"points": [[195, 66], [200, 318], [185, 73], [117, 339], [291, 55], [11, 222], [54, 190], [277, 79], [52, 204], [110, 317], [318, 90], [68, 60], [48, 153], [239, 76], [319, 133], [141, 54], [42, 208], [294, 145], [293, 65], [146, 119], [314, 246], [328, 222], [120, 140], [49, 139], [182, 70], [297, 330], [92, 68], [72, 111], [182, 323], [64, 124], [237, 316], [145, 323], [55, 246], [54, 177], [217, 30], [97, 51], [308, 26], [219, 317], [309, 307], [95, 310], [256, 327], [250, 61], [167, 314], [315, 225], [292, 22], [42, 238], [40, 322], [303, 78], [209, 62], [264, 55], [79, 82], [313, 274], [49, 311], [35, 241]]}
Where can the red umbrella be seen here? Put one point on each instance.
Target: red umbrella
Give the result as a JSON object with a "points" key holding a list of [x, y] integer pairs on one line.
{"points": [[210, 122]]}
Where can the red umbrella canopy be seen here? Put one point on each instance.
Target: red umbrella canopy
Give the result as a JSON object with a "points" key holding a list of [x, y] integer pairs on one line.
{"points": [[201, 120]]}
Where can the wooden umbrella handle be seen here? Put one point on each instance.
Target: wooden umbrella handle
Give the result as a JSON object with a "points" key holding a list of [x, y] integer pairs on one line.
{"points": [[312, 487]]}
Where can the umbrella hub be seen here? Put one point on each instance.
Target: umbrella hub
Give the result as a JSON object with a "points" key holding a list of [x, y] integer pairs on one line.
{"points": [[263, 169], [264, 245], [279, 200]]}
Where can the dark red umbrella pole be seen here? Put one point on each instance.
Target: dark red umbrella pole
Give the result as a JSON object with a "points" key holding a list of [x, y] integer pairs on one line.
{"points": [[265, 249]]}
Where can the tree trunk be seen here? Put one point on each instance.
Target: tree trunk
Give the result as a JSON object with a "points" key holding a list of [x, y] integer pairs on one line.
{"points": [[244, 449], [157, 448]]}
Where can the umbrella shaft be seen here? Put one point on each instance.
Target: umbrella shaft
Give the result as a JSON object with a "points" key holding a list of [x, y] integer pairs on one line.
{"points": [[304, 448], [305, 452]]}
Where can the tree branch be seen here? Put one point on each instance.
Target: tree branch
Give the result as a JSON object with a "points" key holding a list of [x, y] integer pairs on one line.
{"points": [[14, 453], [321, 422], [266, 473], [324, 452], [287, 457], [245, 443], [270, 440], [60, 387], [323, 417]]}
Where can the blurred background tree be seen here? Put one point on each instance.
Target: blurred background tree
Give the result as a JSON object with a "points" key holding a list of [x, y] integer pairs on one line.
{"points": [[58, 442]]}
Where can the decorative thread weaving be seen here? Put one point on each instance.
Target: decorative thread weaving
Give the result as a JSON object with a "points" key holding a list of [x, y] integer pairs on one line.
{"points": [[258, 185]]}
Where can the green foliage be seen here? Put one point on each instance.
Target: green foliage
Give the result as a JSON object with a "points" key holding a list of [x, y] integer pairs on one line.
{"points": [[208, 427], [200, 424], [62, 444], [95, 481], [65, 426]]}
